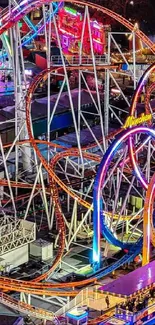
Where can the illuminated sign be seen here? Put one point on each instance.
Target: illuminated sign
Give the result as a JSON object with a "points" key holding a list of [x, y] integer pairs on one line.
{"points": [[72, 11], [133, 121]]}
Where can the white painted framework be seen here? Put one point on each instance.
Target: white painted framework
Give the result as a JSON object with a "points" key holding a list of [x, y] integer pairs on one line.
{"points": [[79, 223]]}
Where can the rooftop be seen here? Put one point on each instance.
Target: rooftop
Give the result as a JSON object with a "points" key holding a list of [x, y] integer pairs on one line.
{"points": [[132, 282]]}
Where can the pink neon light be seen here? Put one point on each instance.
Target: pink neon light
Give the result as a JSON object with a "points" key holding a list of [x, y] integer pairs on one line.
{"points": [[132, 155], [20, 5], [137, 150], [127, 134], [139, 89], [97, 41], [142, 180], [66, 32], [95, 25], [149, 223]]}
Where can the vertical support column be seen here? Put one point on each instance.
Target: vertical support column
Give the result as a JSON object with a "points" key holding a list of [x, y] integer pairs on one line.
{"points": [[107, 90], [20, 117], [134, 58], [148, 162], [146, 238], [75, 218], [68, 87], [68, 202], [23, 297], [148, 234], [127, 227], [1, 187], [29, 299], [97, 228], [106, 249], [79, 92], [106, 102], [96, 79], [48, 54]]}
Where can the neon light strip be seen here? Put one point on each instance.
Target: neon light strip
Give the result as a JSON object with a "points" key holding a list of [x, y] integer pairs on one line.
{"points": [[148, 226], [149, 212], [100, 179], [7, 43], [29, 22], [71, 11], [139, 87], [141, 178], [68, 33], [141, 83], [97, 41], [95, 25], [36, 33]]}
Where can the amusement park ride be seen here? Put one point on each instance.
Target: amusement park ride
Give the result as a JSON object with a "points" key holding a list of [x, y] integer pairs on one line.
{"points": [[96, 175]]}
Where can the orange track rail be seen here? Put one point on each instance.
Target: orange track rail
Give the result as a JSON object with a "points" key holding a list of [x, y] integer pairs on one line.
{"points": [[148, 95], [8, 19], [148, 226], [7, 22]]}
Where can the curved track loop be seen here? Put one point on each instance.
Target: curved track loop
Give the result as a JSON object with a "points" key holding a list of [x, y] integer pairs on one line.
{"points": [[75, 153], [139, 88], [24, 7], [8, 20], [148, 223], [140, 85], [99, 221], [43, 75], [54, 181]]}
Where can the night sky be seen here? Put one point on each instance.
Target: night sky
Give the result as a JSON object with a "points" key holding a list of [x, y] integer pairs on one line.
{"points": [[144, 12]]}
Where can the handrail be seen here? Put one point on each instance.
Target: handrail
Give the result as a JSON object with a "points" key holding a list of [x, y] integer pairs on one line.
{"points": [[75, 60], [26, 308]]}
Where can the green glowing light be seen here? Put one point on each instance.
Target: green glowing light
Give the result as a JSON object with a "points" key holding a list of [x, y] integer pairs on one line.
{"points": [[71, 10]]}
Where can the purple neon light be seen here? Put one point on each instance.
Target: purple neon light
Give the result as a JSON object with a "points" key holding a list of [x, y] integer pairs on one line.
{"points": [[141, 178], [138, 90], [149, 221], [127, 134]]}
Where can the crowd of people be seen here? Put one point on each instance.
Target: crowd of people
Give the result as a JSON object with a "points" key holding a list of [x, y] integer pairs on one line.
{"points": [[138, 302]]}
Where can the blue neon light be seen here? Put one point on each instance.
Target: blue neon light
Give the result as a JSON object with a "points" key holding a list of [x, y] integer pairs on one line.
{"points": [[99, 219], [36, 32]]}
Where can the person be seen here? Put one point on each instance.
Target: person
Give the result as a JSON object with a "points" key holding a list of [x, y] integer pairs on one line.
{"points": [[9, 77], [107, 302]]}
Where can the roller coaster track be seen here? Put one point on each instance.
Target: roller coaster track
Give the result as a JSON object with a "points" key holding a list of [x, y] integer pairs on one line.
{"points": [[56, 180], [43, 288], [8, 19], [34, 29], [43, 314], [148, 223], [26, 308]]}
